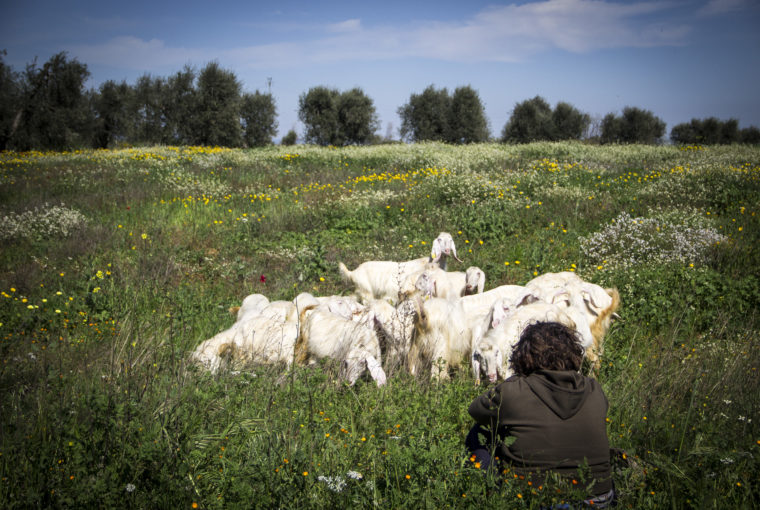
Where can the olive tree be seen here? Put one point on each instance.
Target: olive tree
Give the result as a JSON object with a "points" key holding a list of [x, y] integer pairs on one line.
{"points": [[258, 114], [635, 125], [426, 116], [467, 118], [218, 107], [335, 118]]}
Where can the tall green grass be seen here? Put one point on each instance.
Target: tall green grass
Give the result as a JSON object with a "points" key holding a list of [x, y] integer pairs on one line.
{"points": [[116, 264]]}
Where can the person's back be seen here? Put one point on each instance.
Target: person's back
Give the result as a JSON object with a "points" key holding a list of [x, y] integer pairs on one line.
{"points": [[556, 415]]}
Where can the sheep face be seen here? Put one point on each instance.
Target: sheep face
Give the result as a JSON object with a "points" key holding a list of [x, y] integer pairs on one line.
{"points": [[488, 360], [355, 365], [475, 280], [425, 284], [443, 246]]}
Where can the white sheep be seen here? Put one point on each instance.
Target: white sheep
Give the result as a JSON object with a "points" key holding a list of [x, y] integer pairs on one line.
{"points": [[482, 303], [443, 336], [475, 281], [382, 279], [490, 355], [281, 311], [592, 306], [353, 343], [211, 354], [251, 306], [262, 339], [435, 282], [345, 306]]}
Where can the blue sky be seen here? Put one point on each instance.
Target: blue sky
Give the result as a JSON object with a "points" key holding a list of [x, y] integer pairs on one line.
{"points": [[681, 59]]}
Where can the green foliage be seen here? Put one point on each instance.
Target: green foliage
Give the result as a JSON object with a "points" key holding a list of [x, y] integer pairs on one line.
{"points": [[181, 104], [290, 138], [706, 131], [335, 118], [217, 120], [147, 111], [634, 126], [534, 120], [750, 135], [318, 110], [530, 121], [434, 115], [10, 98], [468, 122], [569, 123], [111, 113], [53, 112], [426, 116], [259, 114], [357, 118]]}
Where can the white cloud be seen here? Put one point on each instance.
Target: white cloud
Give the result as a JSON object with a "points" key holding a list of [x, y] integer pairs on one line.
{"points": [[507, 33], [135, 53], [350, 25], [718, 7]]}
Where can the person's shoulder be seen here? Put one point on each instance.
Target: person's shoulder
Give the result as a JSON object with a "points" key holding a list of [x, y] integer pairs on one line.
{"points": [[511, 384]]}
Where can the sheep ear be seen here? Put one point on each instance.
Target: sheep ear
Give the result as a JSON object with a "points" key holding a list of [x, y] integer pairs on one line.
{"points": [[437, 250], [525, 298], [561, 296], [376, 370], [596, 298], [419, 308]]}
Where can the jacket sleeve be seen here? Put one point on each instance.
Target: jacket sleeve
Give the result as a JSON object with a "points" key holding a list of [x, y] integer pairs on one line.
{"points": [[485, 408]]}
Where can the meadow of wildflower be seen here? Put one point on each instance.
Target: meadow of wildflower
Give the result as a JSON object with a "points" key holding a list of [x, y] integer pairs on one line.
{"points": [[116, 264]]}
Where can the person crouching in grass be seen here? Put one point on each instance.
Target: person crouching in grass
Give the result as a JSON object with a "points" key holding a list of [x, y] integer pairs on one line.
{"points": [[555, 415]]}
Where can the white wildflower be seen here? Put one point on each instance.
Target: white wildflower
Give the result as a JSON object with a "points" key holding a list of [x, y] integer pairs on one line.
{"points": [[334, 483], [354, 475]]}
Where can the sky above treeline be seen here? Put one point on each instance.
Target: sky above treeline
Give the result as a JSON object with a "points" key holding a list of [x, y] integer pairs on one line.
{"points": [[680, 59]]}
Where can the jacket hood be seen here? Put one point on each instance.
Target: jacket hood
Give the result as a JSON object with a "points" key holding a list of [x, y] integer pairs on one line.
{"points": [[564, 392]]}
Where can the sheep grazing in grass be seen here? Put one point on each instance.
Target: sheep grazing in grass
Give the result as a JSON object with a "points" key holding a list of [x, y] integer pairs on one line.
{"points": [[592, 306], [395, 331], [442, 339], [211, 354], [382, 279], [265, 335], [353, 343], [490, 355]]}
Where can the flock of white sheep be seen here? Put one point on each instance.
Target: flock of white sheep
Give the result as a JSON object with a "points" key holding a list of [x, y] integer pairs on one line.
{"points": [[414, 315]]}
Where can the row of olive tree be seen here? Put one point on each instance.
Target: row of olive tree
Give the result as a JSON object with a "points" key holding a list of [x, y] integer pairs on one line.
{"points": [[48, 107], [711, 131]]}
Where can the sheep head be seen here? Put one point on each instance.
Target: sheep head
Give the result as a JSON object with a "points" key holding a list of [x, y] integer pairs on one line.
{"points": [[488, 360], [475, 280], [426, 284], [357, 363], [443, 246]]}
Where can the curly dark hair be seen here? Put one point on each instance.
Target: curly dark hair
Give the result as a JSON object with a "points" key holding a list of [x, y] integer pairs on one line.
{"points": [[549, 346]]}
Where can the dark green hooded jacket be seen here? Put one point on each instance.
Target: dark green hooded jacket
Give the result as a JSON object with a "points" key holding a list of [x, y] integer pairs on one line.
{"points": [[559, 421]]}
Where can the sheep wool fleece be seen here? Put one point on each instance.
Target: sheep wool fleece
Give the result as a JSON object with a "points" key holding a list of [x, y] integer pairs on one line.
{"points": [[558, 419]]}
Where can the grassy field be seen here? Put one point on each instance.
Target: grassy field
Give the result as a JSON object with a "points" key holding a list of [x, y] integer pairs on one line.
{"points": [[116, 264]]}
